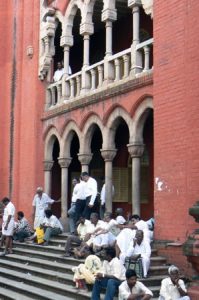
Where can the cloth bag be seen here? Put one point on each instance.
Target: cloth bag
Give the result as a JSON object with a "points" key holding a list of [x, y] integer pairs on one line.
{"points": [[40, 235]]}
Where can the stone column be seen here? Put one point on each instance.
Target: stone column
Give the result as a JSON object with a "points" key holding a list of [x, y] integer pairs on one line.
{"points": [[85, 159], [108, 155], [136, 150], [64, 164], [86, 29], [66, 42], [48, 175], [136, 59], [109, 15]]}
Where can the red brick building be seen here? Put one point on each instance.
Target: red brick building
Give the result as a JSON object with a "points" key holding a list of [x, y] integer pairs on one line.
{"points": [[128, 110]]}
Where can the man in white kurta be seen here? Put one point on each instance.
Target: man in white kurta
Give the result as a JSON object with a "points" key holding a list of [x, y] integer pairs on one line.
{"points": [[90, 193], [139, 248], [133, 288], [59, 72], [40, 203], [172, 287], [8, 224]]}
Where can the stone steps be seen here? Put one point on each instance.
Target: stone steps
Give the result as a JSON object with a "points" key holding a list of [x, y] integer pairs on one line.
{"points": [[38, 272]]}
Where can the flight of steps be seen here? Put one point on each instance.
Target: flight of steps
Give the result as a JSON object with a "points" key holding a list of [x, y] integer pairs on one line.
{"points": [[38, 272]]}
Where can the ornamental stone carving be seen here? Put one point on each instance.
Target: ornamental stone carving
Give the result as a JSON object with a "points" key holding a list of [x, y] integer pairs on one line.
{"points": [[132, 3], [148, 7], [136, 149], [85, 158], [108, 154], [109, 15], [48, 165], [86, 28], [64, 162]]}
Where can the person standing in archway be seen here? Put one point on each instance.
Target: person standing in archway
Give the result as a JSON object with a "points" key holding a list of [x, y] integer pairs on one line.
{"points": [[91, 194]]}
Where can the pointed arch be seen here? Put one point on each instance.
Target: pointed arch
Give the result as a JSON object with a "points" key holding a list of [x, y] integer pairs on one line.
{"points": [[140, 115], [50, 138], [88, 131], [69, 131], [112, 123]]}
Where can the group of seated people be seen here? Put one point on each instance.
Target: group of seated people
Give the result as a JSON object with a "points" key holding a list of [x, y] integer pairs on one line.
{"points": [[116, 253]]}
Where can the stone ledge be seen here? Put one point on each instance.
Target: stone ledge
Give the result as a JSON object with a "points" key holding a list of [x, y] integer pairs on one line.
{"points": [[97, 96]]}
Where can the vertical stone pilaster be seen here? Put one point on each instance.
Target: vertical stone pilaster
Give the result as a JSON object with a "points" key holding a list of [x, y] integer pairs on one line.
{"points": [[136, 150], [64, 164], [108, 155], [48, 175]]}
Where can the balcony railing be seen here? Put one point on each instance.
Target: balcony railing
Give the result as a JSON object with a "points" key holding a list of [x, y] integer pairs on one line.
{"points": [[115, 68]]}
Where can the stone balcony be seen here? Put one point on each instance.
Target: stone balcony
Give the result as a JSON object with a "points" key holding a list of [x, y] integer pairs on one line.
{"points": [[111, 73]]}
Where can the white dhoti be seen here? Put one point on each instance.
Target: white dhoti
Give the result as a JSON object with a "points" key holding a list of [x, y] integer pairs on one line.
{"points": [[145, 265], [38, 221], [124, 239], [105, 239], [10, 229]]}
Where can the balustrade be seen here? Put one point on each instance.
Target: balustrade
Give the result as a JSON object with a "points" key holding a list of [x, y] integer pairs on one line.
{"points": [[69, 88]]}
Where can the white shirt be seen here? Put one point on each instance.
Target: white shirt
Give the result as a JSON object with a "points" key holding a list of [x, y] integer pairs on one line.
{"points": [[79, 192], [103, 194], [58, 74], [114, 268], [83, 229], [139, 287], [120, 220], [170, 291], [100, 224], [41, 204], [53, 222], [9, 210], [91, 189], [144, 249]]}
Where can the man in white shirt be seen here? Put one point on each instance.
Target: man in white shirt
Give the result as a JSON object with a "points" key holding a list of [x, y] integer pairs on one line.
{"points": [[133, 289], [52, 226], [8, 225], [40, 203], [103, 199], [172, 287], [112, 275], [91, 194], [72, 210], [139, 248], [80, 199], [59, 72], [82, 230], [128, 232]]}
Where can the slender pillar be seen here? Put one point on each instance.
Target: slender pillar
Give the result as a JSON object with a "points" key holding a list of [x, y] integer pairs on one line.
{"points": [[136, 60], [85, 159], [108, 155], [109, 38], [86, 50], [136, 150], [66, 59], [48, 175], [109, 15], [64, 164]]}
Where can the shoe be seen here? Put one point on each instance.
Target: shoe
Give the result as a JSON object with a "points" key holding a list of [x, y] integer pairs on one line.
{"points": [[4, 253], [66, 255], [45, 244]]}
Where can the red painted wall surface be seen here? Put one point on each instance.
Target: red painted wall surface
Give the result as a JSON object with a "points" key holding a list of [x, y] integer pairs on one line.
{"points": [[20, 29], [176, 92]]}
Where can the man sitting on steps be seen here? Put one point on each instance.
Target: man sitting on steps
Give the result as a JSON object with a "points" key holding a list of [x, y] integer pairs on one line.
{"points": [[82, 230]]}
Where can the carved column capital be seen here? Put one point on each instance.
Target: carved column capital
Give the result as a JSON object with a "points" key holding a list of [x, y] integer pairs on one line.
{"points": [[86, 28], [66, 40], [108, 154], [85, 158], [109, 15], [48, 165], [136, 149], [133, 3], [64, 162]]}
